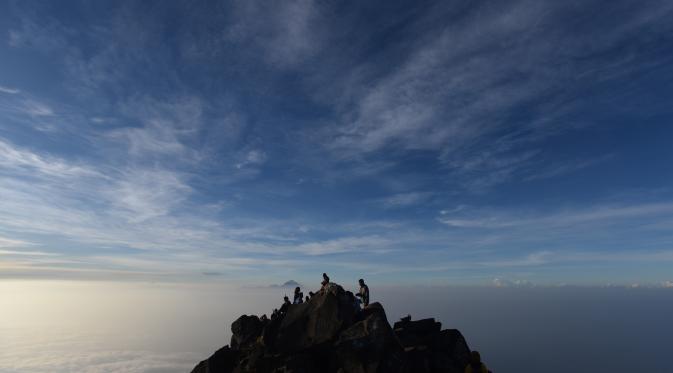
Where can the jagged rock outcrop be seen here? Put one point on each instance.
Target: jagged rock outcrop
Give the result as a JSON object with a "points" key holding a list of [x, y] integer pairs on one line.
{"points": [[369, 345], [316, 322], [245, 331], [329, 334]]}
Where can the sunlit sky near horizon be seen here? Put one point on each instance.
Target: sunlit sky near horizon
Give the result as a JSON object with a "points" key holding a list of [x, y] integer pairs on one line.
{"points": [[452, 142]]}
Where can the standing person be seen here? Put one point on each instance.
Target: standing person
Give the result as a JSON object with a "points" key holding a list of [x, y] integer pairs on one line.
{"points": [[364, 293], [298, 296], [475, 365]]}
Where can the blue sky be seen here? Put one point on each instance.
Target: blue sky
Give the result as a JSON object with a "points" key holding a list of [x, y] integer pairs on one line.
{"points": [[455, 142]]}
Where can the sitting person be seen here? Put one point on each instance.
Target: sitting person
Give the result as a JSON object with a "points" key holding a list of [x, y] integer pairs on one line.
{"points": [[298, 296], [325, 280], [286, 305]]}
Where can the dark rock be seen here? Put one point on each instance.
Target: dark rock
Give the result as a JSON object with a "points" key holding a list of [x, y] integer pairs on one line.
{"points": [[423, 326], [414, 333], [373, 308], [245, 331], [315, 322], [269, 333], [429, 349], [223, 360], [297, 363], [368, 346], [451, 352], [328, 334]]}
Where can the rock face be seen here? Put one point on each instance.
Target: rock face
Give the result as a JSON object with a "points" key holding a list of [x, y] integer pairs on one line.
{"points": [[316, 322], [245, 331], [329, 334]]}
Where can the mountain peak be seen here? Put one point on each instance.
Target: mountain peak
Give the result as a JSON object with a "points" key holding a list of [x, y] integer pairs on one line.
{"points": [[330, 333], [286, 284]]}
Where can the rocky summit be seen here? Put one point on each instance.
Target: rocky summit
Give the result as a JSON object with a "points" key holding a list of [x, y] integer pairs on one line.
{"points": [[329, 334]]}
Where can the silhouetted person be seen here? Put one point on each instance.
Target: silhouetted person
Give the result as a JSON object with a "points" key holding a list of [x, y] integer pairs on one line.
{"points": [[274, 314], [325, 280], [286, 305], [307, 298], [298, 296], [475, 365], [310, 294], [364, 293]]}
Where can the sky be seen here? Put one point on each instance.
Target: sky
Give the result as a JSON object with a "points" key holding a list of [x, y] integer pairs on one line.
{"points": [[515, 143]]}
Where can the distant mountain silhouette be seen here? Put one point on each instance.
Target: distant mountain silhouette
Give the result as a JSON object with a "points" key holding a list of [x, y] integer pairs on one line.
{"points": [[330, 334], [287, 284]]}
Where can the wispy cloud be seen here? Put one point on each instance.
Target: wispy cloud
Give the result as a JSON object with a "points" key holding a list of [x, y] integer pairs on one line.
{"points": [[439, 81], [27, 162], [12, 243], [8, 90], [401, 200], [568, 167], [343, 245], [286, 33], [145, 194], [458, 86], [26, 253], [37, 109], [595, 214], [252, 158]]}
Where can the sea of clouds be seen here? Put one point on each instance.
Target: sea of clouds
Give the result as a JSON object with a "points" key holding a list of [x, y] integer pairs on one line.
{"points": [[104, 327]]}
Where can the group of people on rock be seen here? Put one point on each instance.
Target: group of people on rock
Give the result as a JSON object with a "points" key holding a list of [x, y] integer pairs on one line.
{"points": [[362, 295], [299, 296], [360, 300]]}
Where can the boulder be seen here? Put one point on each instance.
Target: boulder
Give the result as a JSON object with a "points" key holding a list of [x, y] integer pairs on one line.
{"points": [[415, 333], [368, 346], [371, 309], [315, 322], [223, 360], [450, 352], [430, 349], [269, 334], [245, 331]]}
